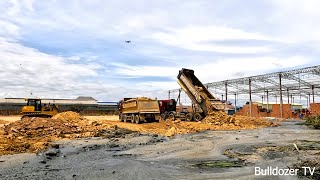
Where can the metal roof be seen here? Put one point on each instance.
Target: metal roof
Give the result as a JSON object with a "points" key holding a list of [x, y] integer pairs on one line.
{"points": [[303, 83]]}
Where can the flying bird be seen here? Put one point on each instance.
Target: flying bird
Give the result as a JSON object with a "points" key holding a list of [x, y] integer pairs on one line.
{"points": [[128, 41]]}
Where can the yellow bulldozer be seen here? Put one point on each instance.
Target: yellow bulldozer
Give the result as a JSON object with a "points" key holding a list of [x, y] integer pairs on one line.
{"points": [[35, 108]]}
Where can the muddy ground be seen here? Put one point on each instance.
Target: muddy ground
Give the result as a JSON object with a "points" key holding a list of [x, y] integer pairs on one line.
{"points": [[204, 155]]}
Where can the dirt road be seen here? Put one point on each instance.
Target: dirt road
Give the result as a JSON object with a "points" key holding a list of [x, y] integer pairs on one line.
{"points": [[205, 155]]}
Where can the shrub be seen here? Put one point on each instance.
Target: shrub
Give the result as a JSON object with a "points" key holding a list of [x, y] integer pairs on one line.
{"points": [[313, 121]]}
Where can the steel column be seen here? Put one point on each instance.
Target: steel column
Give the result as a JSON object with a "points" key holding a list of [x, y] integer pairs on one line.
{"points": [[250, 98], [235, 102], [267, 100], [312, 93], [226, 93], [281, 100], [288, 95]]}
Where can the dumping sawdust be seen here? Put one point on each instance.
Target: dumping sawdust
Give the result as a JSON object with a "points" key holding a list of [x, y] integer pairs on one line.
{"points": [[34, 134]]}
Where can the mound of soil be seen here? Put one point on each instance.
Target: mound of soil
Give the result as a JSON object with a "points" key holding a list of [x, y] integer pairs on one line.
{"points": [[34, 134], [69, 116], [221, 118], [3, 121]]}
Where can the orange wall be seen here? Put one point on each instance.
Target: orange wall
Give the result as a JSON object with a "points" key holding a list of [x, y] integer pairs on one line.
{"points": [[287, 113], [315, 108], [245, 111]]}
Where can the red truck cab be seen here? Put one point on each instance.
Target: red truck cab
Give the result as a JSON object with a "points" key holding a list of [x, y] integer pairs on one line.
{"points": [[167, 108]]}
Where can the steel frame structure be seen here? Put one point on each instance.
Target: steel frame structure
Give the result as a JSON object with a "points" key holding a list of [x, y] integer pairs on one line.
{"points": [[303, 83]]}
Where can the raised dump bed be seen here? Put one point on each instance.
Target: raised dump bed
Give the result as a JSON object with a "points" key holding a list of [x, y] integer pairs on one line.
{"points": [[198, 94]]}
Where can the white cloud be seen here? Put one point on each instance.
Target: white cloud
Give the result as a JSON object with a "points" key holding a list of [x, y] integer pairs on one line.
{"points": [[36, 71], [8, 29], [202, 39], [143, 71], [157, 31], [210, 72], [296, 21], [230, 68], [210, 33]]}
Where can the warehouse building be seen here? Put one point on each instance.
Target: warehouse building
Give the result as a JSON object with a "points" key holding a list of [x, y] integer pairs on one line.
{"points": [[82, 104]]}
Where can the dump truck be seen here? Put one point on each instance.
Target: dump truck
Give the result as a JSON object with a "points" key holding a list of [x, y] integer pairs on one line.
{"points": [[137, 110], [200, 96], [168, 108], [34, 108]]}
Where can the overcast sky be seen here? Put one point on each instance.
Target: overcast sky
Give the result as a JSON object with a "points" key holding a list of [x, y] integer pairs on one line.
{"points": [[63, 49]]}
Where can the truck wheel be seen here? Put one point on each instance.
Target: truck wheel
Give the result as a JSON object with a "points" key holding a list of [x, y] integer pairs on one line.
{"points": [[189, 117], [132, 118], [124, 118], [120, 117], [137, 119], [171, 116], [163, 116], [197, 117]]}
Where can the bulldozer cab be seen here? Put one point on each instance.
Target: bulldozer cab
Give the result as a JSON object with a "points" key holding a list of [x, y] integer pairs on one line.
{"points": [[35, 108], [36, 103]]}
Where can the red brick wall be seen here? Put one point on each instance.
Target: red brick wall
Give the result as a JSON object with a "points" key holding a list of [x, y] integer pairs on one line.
{"points": [[286, 111], [315, 108], [245, 111]]}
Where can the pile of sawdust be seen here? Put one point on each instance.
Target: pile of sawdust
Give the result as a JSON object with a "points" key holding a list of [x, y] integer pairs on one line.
{"points": [[34, 134]]}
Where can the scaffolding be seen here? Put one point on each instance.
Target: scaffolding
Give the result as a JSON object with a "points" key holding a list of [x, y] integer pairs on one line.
{"points": [[294, 86]]}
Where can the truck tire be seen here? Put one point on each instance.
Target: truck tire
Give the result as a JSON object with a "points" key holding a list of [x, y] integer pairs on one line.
{"points": [[189, 117], [137, 119], [163, 117], [124, 118], [197, 117], [132, 118], [171, 116], [120, 117]]}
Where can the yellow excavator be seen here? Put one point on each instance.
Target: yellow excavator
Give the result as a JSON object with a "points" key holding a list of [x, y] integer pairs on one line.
{"points": [[35, 108]]}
